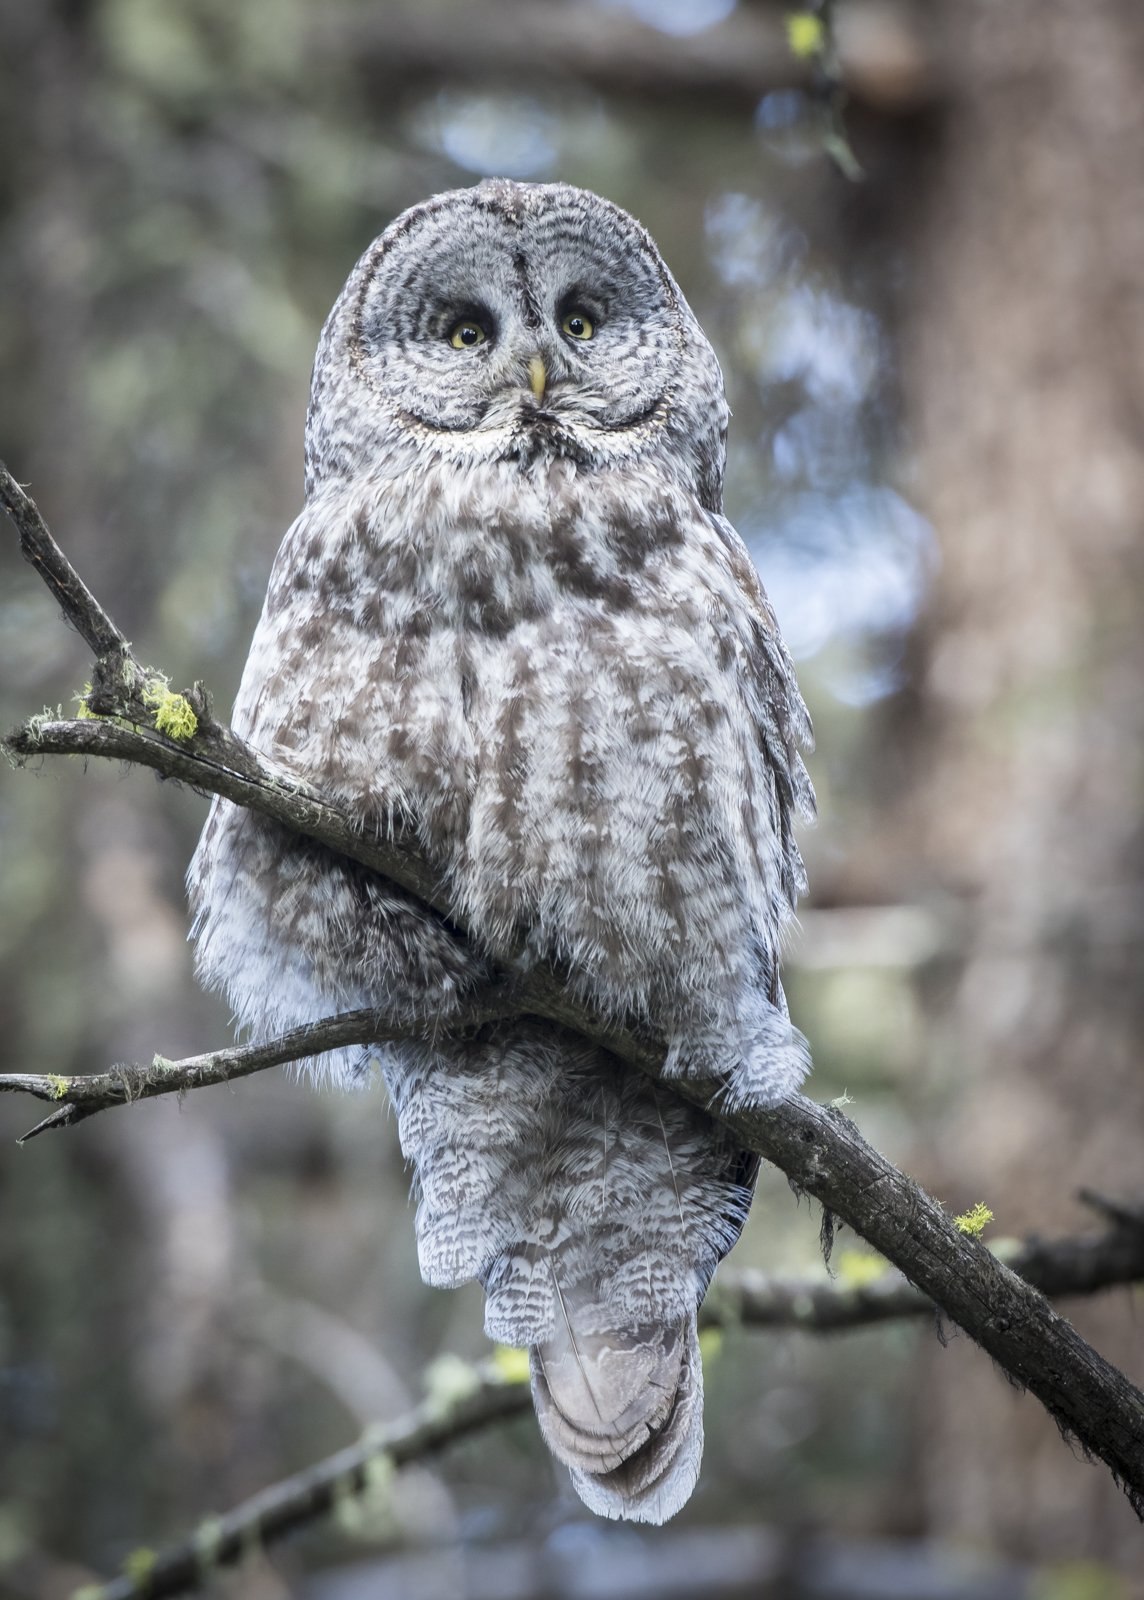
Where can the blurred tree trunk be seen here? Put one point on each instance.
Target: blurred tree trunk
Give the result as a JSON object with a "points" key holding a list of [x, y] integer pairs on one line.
{"points": [[1023, 353]]}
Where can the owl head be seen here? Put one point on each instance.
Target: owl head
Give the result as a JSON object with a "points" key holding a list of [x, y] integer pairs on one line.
{"points": [[519, 322]]}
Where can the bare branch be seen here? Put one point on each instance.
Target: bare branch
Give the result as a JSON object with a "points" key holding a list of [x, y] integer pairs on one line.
{"points": [[820, 1150], [79, 1097], [747, 1299], [887, 55], [38, 547], [1115, 1212]]}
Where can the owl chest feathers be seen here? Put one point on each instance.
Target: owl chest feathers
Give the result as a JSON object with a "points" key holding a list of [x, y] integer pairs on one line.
{"points": [[544, 671]]}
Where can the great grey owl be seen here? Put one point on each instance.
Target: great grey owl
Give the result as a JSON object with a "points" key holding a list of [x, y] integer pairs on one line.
{"points": [[512, 612]]}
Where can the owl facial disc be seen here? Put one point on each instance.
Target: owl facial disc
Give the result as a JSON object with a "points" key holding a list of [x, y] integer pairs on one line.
{"points": [[515, 321]]}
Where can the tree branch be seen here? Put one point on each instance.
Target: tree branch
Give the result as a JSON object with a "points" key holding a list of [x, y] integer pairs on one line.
{"points": [[888, 56], [488, 1395], [819, 1149], [80, 1097], [1062, 1267], [279, 1509], [37, 546], [1081, 1265]]}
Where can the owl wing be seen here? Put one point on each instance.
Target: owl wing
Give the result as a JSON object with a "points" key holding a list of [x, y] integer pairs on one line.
{"points": [[771, 696], [638, 779]]}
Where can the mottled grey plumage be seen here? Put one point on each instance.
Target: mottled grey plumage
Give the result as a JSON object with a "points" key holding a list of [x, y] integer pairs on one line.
{"points": [[518, 618]]}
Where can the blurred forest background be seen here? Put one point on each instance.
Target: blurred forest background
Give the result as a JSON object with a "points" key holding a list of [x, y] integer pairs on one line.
{"points": [[937, 456]]}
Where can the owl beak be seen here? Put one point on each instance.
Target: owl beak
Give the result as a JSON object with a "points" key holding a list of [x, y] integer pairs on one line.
{"points": [[537, 377]]}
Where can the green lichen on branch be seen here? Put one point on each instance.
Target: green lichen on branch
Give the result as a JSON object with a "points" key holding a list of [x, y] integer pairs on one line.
{"points": [[857, 1268], [139, 1566], [172, 712], [207, 1540], [363, 1504], [34, 724], [511, 1364], [450, 1379], [806, 35], [974, 1222]]}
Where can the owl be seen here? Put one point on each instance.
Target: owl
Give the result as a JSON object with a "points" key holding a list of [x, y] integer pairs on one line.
{"points": [[512, 616]]}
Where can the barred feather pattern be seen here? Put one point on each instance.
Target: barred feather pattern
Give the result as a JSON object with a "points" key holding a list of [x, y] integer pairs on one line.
{"points": [[521, 624]]}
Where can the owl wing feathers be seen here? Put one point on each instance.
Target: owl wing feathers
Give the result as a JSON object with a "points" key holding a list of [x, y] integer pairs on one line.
{"points": [[637, 776]]}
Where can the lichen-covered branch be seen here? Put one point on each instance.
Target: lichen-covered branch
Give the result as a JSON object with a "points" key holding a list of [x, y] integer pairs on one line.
{"points": [[813, 38], [278, 1510], [481, 1397], [862, 1294], [820, 1150]]}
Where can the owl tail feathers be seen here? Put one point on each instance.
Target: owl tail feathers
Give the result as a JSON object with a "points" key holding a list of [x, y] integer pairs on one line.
{"points": [[624, 1411]]}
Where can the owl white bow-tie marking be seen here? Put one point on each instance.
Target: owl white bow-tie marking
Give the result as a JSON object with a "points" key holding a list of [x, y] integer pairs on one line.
{"points": [[512, 611]]}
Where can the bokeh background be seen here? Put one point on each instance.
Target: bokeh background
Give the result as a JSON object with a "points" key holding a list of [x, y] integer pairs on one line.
{"points": [[937, 457]]}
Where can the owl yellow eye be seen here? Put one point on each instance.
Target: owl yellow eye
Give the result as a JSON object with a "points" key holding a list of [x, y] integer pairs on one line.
{"points": [[466, 334], [577, 325]]}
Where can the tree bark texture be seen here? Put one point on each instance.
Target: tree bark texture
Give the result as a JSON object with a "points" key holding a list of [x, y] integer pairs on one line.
{"points": [[1023, 351]]}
